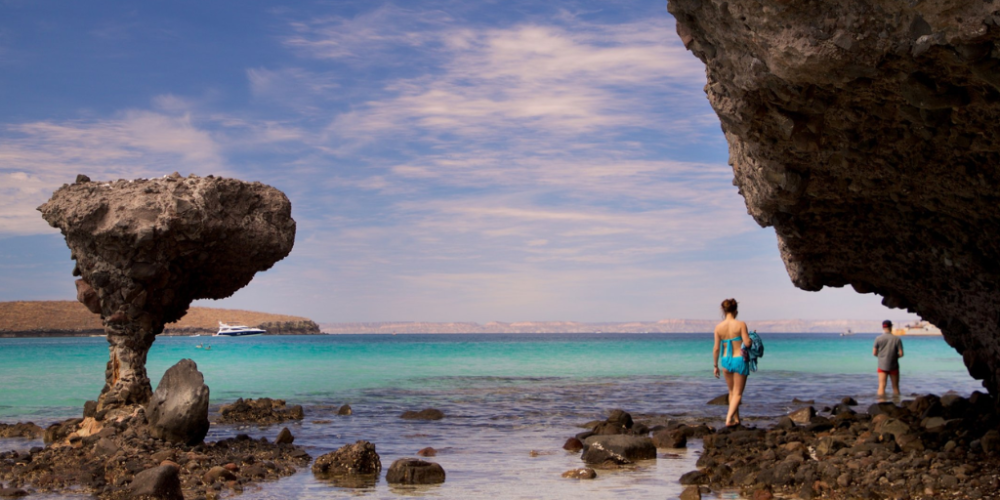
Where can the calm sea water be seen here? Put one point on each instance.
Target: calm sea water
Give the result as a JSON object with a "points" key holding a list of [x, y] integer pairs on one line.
{"points": [[510, 400]]}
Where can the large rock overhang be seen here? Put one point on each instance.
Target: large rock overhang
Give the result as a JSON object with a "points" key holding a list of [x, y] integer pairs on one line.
{"points": [[865, 133]]}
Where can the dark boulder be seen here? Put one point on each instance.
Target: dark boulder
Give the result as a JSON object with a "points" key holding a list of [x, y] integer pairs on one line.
{"points": [[284, 437], [178, 410], [573, 444], [618, 449], [158, 483], [414, 471], [722, 400], [694, 477], [355, 459], [345, 410], [427, 414], [675, 438], [262, 411]]}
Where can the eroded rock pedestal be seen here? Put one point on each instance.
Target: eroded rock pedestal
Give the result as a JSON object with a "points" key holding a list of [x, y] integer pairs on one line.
{"points": [[146, 248], [866, 134]]}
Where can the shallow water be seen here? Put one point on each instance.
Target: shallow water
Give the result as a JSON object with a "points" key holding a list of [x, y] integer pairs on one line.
{"points": [[504, 396]]}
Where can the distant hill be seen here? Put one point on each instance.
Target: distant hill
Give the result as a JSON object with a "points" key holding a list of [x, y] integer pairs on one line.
{"points": [[662, 326], [70, 318]]}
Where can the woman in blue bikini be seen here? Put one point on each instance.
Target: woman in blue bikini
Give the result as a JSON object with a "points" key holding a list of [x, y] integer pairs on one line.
{"points": [[731, 337]]}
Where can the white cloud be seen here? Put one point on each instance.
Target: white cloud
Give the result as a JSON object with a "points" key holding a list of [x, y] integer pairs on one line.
{"points": [[38, 157]]}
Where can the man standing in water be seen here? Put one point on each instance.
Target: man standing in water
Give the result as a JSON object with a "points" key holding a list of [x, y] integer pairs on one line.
{"points": [[888, 349]]}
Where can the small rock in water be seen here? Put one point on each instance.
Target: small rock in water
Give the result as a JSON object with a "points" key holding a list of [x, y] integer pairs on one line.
{"points": [[584, 473], [722, 400], [345, 410], [573, 444], [803, 401], [427, 414], [284, 437], [359, 458], [414, 471], [675, 438], [803, 415], [12, 493], [849, 401], [427, 452], [692, 492]]}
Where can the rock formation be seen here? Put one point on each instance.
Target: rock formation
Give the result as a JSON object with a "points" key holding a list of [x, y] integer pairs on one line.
{"points": [[864, 132], [146, 248], [178, 410]]}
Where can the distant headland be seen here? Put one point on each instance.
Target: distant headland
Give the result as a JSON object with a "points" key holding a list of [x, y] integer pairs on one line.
{"points": [[69, 318], [662, 326]]}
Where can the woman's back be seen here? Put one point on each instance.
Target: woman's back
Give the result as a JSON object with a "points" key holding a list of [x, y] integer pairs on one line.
{"points": [[731, 329]]}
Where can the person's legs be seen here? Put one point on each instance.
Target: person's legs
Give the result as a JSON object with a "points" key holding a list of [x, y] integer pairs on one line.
{"points": [[881, 383], [730, 381], [895, 382], [735, 398]]}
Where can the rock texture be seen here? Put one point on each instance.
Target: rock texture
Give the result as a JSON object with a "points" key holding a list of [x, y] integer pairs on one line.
{"points": [[146, 248], [178, 410], [353, 465], [414, 471], [262, 411], [864, 132]]}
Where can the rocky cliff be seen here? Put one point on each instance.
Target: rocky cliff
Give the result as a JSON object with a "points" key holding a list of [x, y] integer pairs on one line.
{"points": [[146, 248], [865, 133]]}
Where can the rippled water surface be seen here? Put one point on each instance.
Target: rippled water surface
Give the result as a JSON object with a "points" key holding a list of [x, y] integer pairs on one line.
{"points": [[510, 400]]}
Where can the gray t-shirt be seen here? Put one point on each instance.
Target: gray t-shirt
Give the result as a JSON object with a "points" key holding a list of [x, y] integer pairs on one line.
{"points": [[887, 346]]}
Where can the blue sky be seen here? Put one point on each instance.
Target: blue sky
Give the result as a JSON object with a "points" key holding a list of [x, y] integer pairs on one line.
{"points": [[446, 160]]}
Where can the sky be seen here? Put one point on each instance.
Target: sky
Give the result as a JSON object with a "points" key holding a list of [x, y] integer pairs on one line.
{"points": [[446, 160]]}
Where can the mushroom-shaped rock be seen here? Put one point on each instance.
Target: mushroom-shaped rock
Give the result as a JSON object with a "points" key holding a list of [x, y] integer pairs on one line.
{"points": [[865, 133], [178, 410], [414, 471], [146, 248]]}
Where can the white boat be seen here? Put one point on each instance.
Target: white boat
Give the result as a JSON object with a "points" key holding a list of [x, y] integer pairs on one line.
{"points": [[237, 331], [918, 328], [846, 333]]}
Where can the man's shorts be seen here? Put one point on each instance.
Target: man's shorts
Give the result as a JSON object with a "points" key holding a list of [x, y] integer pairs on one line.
{"points": [[890, 372]]}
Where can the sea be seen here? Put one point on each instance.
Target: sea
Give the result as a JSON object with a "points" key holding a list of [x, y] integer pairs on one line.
{"points": [[510, 401]]}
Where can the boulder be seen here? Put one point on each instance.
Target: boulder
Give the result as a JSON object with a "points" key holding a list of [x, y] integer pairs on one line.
{"points": [[676, 438], [990, 442], [803, 415], [692, 492], [355, 459], [849, 401], [12, 493], [284, 437], [722, 400], [414, 471], [573, 444], [262, 411], [427, 414], [619, 449], [427, 452], [218, 473], [344, 410], [694, 477], [178, 410], [584, 473], [158, 483], [146, 248]]}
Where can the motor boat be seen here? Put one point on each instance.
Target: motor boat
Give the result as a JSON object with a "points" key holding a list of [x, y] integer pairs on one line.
{"points": [[237, 331]]}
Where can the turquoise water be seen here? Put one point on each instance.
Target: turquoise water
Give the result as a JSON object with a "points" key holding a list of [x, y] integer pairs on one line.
{"points": [[505, 395]]}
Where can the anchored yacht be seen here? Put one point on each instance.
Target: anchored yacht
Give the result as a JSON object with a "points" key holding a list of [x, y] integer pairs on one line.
{"points": [[237, 331]]}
